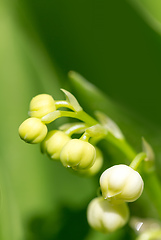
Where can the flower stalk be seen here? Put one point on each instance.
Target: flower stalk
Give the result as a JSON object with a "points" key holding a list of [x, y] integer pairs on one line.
{"points": [[137, 160]]}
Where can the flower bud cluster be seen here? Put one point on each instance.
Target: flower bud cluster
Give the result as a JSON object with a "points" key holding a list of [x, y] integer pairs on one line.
{"points": [[33, 130], [75, 153], [119, 184], [78, 154], [53, 143]]}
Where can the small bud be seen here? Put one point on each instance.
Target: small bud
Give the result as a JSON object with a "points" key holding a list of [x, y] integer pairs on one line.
{"points": [[106, 217], [121, 182], [54, 142], [32, 130], [78, 154], [41, 105], [96, 166], [141, 225], [152, 234]]}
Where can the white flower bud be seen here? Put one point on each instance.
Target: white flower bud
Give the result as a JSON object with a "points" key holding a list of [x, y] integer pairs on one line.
{"points": [[54, 142], [41, 105], [106, 217], [152, 234], [78, 154], [96, 166], [32, 130], [121, 182]]}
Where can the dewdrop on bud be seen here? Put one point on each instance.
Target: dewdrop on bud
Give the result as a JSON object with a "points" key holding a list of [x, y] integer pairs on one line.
{"points": [[53, 143], [106, 217], [32, 130], [41, 105], [78, 154], [96, 166], [121, 182]]}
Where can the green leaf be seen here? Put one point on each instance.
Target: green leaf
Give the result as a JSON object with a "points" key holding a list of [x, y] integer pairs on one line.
{"points": [[150, 12], [25, 71], [132, 126]]}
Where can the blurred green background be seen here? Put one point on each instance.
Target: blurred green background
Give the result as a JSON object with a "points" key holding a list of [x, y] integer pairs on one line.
{"points": [[116, 45]]}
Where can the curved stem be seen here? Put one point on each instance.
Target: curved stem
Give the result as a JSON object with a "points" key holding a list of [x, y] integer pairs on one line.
{"points": [[81, 115], [85, 137], [87, 118], [122, 145], [137, 160], [75, 129], [153, 188], [60, 104], [94, 140]]}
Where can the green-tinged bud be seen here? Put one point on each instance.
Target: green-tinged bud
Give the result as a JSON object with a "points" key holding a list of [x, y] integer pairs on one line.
{"points": [[106, 217], [121, 182], [32, 130], [96, 166], [143, 225], [54, 142], [41, 105], [150, 235], [78, 154]]}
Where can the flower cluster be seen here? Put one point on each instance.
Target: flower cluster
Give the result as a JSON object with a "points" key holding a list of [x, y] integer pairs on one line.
{"points": [[58, 144], [119, 184]]}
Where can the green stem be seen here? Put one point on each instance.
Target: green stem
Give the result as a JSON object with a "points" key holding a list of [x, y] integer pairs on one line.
{"points": [[85, 137], [137, 160], [76, 129], [86, 118], [122, 145], [153, 188], [65, 104], [81, 115]]}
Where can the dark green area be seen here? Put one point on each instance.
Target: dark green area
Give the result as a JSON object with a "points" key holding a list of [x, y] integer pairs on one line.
{"points": [[109, 43]]}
